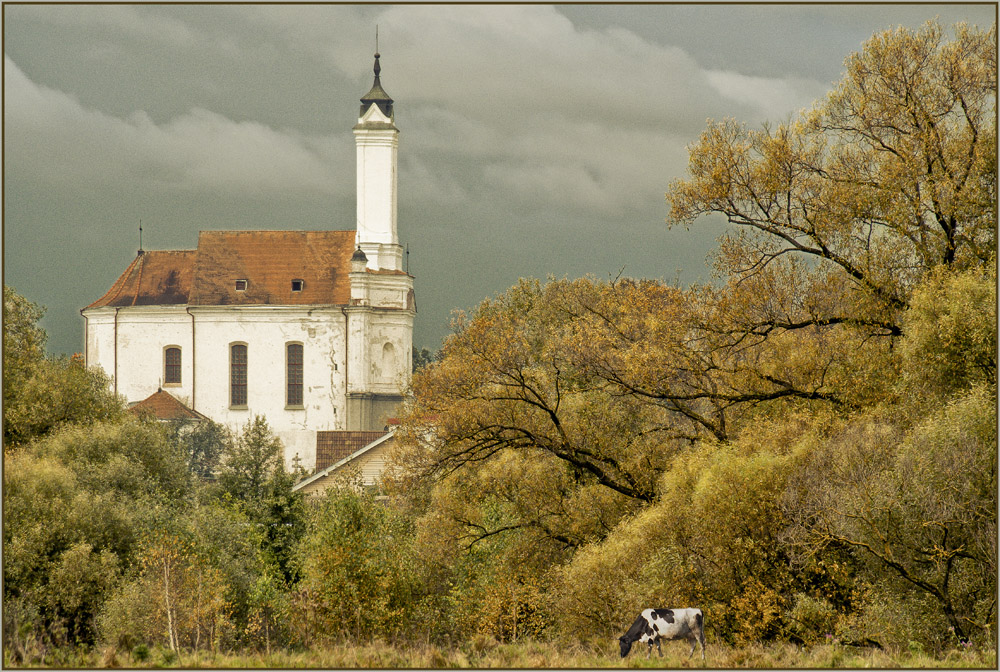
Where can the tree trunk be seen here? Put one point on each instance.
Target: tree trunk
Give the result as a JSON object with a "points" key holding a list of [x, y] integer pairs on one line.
{"points": [[171, 635]]}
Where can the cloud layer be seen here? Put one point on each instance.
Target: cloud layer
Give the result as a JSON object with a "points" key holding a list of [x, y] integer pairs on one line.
{"points": [[535, 139], [53, 137]]}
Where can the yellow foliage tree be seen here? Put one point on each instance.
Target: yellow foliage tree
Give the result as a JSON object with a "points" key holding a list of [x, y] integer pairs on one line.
{"points": [[893, 174]]}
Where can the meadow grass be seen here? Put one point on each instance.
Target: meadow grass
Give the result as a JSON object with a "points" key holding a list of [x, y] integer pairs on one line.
{"points": [[485, 653]]}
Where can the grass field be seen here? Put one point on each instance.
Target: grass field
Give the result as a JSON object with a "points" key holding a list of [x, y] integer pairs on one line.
{"points": [[488, 654]]}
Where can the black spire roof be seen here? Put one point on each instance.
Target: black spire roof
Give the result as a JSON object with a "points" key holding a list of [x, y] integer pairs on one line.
{"points": [[377, 94]]}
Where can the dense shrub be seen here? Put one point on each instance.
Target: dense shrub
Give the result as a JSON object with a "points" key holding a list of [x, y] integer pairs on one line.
{"points": [[75, 504], [357, 575]]}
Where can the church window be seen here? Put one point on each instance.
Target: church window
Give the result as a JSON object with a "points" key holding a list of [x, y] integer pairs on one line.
{"points": [[297, 285], [172, 366], [241, 285], [238, 375], [293, 374]]}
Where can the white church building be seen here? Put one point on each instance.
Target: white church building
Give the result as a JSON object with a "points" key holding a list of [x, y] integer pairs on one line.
{"points": [[311, 329]]}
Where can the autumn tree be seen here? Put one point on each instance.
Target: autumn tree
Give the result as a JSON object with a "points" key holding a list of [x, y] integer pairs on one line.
{"points": [[596, 384], [250, 461], [204, 442], [853, 328], [951, 330], [916, 512], [42, 393], [912, 494], [191, 585], [506, 383], [893, 174]]}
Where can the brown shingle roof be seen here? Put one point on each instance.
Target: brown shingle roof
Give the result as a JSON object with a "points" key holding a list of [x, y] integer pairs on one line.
{"points": [[333, 446], [165, 406], [267, 260], [157, 278]]}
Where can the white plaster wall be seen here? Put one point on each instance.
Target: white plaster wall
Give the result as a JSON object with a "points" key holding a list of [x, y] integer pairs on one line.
{"points": [[376, 154], [99, 339], [383, 255], [389, 372], [266, 332], [377, 150], [144, 332], [379, 316], [359, 318], [301, 443]]}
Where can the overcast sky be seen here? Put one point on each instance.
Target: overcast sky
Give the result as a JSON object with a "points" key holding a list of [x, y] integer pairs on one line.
{"points": [[535, 139]]}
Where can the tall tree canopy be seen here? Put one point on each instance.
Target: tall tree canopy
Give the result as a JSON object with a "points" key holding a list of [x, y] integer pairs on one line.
{"points": [[893, 174], [854, 289]]}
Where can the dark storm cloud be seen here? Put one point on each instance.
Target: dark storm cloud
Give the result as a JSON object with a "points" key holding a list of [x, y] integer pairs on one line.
{"points": [[535, 139]]}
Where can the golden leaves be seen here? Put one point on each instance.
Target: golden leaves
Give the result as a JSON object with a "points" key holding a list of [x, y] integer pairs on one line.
{"points": [[893, 174]]}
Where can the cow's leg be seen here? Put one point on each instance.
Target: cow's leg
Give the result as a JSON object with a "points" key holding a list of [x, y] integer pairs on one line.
{"points": [[659, 649], [701, 640], [649, 649], [694, 643]]}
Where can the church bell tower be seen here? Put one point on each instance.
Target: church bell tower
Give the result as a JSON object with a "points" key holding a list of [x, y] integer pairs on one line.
{"points": [[382, 305], [377, 140]]}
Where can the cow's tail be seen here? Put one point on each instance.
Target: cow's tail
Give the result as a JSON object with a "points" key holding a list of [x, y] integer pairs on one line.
{"points": [[700, 620]]}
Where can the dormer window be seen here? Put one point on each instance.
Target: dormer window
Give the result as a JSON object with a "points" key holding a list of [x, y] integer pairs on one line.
{"points": [[297, 285], [241, 285]]}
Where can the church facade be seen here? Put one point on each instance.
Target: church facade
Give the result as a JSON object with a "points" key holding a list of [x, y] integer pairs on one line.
{"points": [[311, 329]]}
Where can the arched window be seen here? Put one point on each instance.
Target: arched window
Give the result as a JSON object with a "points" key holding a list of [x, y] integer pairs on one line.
{"points": [[293, 374], [171, 365], [238, 375]]}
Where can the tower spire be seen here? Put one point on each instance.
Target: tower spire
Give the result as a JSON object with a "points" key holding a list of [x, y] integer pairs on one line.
{"points": [[377, 94]]}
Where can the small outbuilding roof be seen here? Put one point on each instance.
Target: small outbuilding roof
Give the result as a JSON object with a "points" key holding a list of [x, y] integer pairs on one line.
{"points": [[165, 406], [334, 446], [324, 473]]}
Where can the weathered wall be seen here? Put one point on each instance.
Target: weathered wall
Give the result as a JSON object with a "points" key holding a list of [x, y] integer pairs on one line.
{"points": [[143, 333]]}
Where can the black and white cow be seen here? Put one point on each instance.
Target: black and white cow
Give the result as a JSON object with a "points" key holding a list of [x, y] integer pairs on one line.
{"points": [[656, 624]]}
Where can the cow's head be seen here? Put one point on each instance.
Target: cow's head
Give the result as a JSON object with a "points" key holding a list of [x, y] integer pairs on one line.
{"points": [[626, 645]]}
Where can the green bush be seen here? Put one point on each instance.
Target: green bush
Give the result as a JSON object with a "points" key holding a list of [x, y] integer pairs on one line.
{"points": [[357, 575], [75, 504], [812, 620]]}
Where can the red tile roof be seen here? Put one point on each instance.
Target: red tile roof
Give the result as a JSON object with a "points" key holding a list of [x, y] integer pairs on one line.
{"points": [[333, 446], [164, 406], [267, 260], [156, 278]]}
